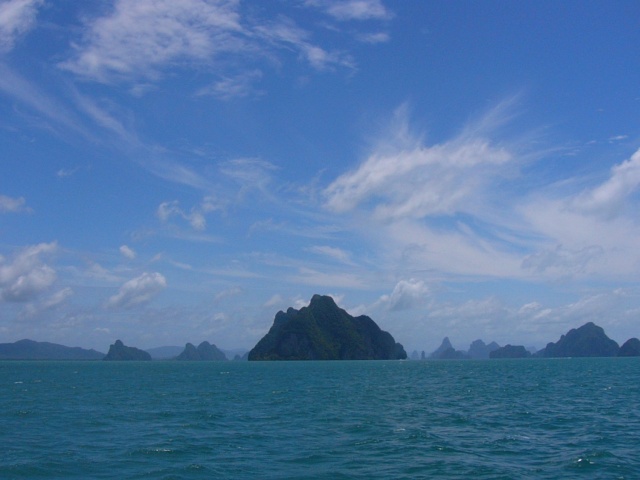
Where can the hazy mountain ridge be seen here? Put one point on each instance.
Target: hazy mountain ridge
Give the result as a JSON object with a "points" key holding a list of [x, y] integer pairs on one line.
{"points": [[32, 350]]}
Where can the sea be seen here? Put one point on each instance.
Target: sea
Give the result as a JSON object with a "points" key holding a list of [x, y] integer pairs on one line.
{"points": [[494, 419]]}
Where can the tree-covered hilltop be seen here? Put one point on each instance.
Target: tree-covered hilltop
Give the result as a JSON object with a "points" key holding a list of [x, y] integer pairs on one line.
{"points": [[323, 331], [587, 341], [630, 348], [120, 352]]}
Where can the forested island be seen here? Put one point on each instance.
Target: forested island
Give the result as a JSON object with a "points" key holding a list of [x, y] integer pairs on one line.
{"points": [[323, 331]]}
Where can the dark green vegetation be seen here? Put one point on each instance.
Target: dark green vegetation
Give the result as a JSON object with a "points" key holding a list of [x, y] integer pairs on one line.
{"points": [[204, 352], [630, 348], [587, 341], [510, 351], [120, 352], [31, 350], [323, 331]]}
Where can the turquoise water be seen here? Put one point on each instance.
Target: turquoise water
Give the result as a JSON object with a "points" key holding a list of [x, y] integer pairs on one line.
{"points": [[511, 419]]}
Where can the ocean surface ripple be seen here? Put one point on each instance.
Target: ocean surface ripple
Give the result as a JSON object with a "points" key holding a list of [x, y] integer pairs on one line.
{"points": [[501, 419]]}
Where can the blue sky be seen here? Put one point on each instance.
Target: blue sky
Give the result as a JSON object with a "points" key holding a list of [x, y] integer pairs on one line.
{"points": [[179, 171]]}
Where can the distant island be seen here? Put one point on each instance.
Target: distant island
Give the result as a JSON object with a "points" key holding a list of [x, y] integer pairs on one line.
{"points": [[120, 352], [589, 340], [204, 352], [323, 331], [510, 351]]}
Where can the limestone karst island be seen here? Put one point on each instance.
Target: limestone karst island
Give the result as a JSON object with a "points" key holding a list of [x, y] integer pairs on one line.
{"points": [[323, 331]]}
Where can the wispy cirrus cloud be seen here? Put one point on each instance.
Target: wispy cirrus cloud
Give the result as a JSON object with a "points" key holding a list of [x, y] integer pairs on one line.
{"points": [[234, 86], [409, 179], [609, 198], [591, 231], [463, 207], [353, 9], [335, 253], [138, 291], [56, 113], [137, 39], [48, 303], [17, 17], [285, 33]]}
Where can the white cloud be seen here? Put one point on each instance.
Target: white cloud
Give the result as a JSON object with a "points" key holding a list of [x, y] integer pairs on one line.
{"points": [[406, 295], [127, 252], [138, 38], [196, 217], [332, 252], [27, 276], [610, 197], [407, 179], [441, 208], [13, 205], [589, 233], [64, 173], [17, 17], [463, 207], [138, 291], [353, 9]]}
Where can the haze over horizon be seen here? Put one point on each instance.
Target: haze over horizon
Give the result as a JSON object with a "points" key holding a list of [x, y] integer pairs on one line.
{"points": [[175, 172]]}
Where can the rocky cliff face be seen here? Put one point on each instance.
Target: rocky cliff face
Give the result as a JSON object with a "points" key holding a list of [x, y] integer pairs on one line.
{"points": [[120, 352], [323, 331], [587, 341]]}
